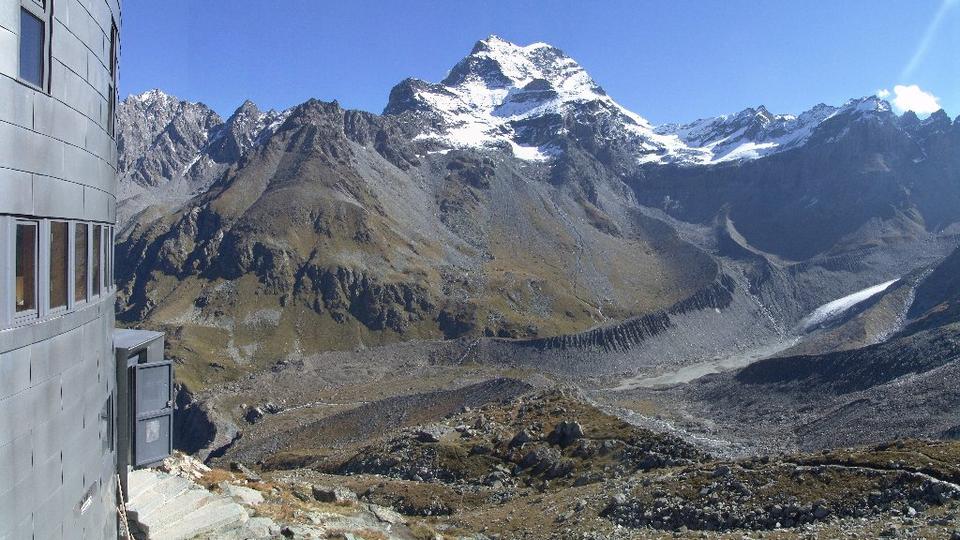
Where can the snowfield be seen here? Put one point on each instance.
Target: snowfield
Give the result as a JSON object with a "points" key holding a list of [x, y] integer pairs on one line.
{"points": [[831, 310]]}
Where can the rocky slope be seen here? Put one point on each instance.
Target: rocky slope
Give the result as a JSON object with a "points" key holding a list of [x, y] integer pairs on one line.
{"points": [[515, 200], [888, 368], [546, 463]]}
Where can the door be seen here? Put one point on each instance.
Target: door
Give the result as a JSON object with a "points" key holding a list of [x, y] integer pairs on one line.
{"points": [[153, 412]]}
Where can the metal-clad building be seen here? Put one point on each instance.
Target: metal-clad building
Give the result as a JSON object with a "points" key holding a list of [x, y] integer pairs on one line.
{"points": [[58, 382]]}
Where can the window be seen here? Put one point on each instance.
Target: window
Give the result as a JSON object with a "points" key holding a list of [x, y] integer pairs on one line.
{"points": [[106, 425], [31, 48], [97, 251], [59, 260], [108, 271], [114, 46], [112, 91], [111, 112], [26, 267], [34, 42], [80, 263]]}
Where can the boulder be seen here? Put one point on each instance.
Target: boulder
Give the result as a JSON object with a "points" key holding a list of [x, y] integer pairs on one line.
{"points": [[248, 474], [522, 437], [565, 433], [243, 495], [431, 434], [337, 495]]}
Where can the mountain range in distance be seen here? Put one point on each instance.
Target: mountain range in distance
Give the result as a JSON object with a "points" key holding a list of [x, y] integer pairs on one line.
{"points": [[516, 201]]}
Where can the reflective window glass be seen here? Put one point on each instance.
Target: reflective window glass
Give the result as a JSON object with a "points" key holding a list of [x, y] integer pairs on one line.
{"points": [[95, 259], [31, 48], [80, 263], [59, 259], [26, 267]]}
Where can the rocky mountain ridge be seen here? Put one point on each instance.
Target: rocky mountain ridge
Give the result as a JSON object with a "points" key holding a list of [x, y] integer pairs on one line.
{"points": [[514, 200]]}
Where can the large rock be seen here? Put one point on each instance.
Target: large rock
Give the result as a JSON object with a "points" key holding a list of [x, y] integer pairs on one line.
{"points": [[241, 494], [566, 432], [336, 495]]}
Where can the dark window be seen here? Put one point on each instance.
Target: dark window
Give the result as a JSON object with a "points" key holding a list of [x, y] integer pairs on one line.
{"points": [[59, 259], [26, 265], [112, 91], [111, 116], [97, 252], [114, 44], [80, 263], [109, 252], [106, 425], [31, 48]]}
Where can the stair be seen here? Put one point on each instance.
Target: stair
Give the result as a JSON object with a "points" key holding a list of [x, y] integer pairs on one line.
{"points": [[169, 507]]}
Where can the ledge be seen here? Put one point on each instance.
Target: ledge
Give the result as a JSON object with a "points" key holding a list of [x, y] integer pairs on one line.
{"points": [[23, 336]]}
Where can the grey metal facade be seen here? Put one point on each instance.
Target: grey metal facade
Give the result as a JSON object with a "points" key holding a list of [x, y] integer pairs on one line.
{"points": [[58, 458]]}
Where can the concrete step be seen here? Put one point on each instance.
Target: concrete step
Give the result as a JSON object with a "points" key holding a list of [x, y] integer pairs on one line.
{"points": [[175, 509], [210, 518], [141, 480], [158, 495]]}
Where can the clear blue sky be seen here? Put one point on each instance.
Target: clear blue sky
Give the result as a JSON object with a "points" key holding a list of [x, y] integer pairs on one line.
{"points": [[666, 60]]}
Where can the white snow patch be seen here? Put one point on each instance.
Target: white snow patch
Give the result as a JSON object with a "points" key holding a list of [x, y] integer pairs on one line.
{"points": [[831, 310], [530, 153], [190, 165]]}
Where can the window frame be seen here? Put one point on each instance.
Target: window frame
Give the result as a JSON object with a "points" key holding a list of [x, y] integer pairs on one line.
{"points": [[43, 260], [91, 294], [48, 278], [44, 12], [75, 267], [19, 318], [108, 259], [112, 87]]}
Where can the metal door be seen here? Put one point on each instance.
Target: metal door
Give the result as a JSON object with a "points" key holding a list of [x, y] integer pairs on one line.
{"points": [[153, 412]]}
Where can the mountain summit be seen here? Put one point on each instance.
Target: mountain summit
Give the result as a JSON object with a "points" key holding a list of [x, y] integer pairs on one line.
{"points": [[533, 99]]}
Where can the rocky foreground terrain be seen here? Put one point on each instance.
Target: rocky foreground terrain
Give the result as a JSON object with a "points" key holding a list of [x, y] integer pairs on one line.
{"points": [[548, 464]]}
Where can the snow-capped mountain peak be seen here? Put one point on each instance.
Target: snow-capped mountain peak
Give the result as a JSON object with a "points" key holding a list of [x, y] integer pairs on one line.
{"points": [[153, 96], [495, 95], [749, 134], [495, 63]]}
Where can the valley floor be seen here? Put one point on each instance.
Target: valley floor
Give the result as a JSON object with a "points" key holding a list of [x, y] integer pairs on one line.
{"points": [[476, 451]]}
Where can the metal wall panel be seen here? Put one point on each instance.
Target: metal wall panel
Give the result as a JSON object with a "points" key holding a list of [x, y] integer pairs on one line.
{"points": [[24, 503], [28, 151], [69, 50], [9, 16], [96, 204], [8, 53], [48, 440], [49, 528], [72, 392], [98, 74], [82, 25], [84, 167], [16, 192], [13, 411], [54, 119], [46, 401], [15, 464], [115, 9], [73, 90], [40, 369], [14, 373], [98, 142], [16, 102], [56, 198]]}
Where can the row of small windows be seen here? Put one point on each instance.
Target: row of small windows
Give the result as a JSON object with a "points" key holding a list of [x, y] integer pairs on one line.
{"points": [[58, 266], [35, 34]]}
